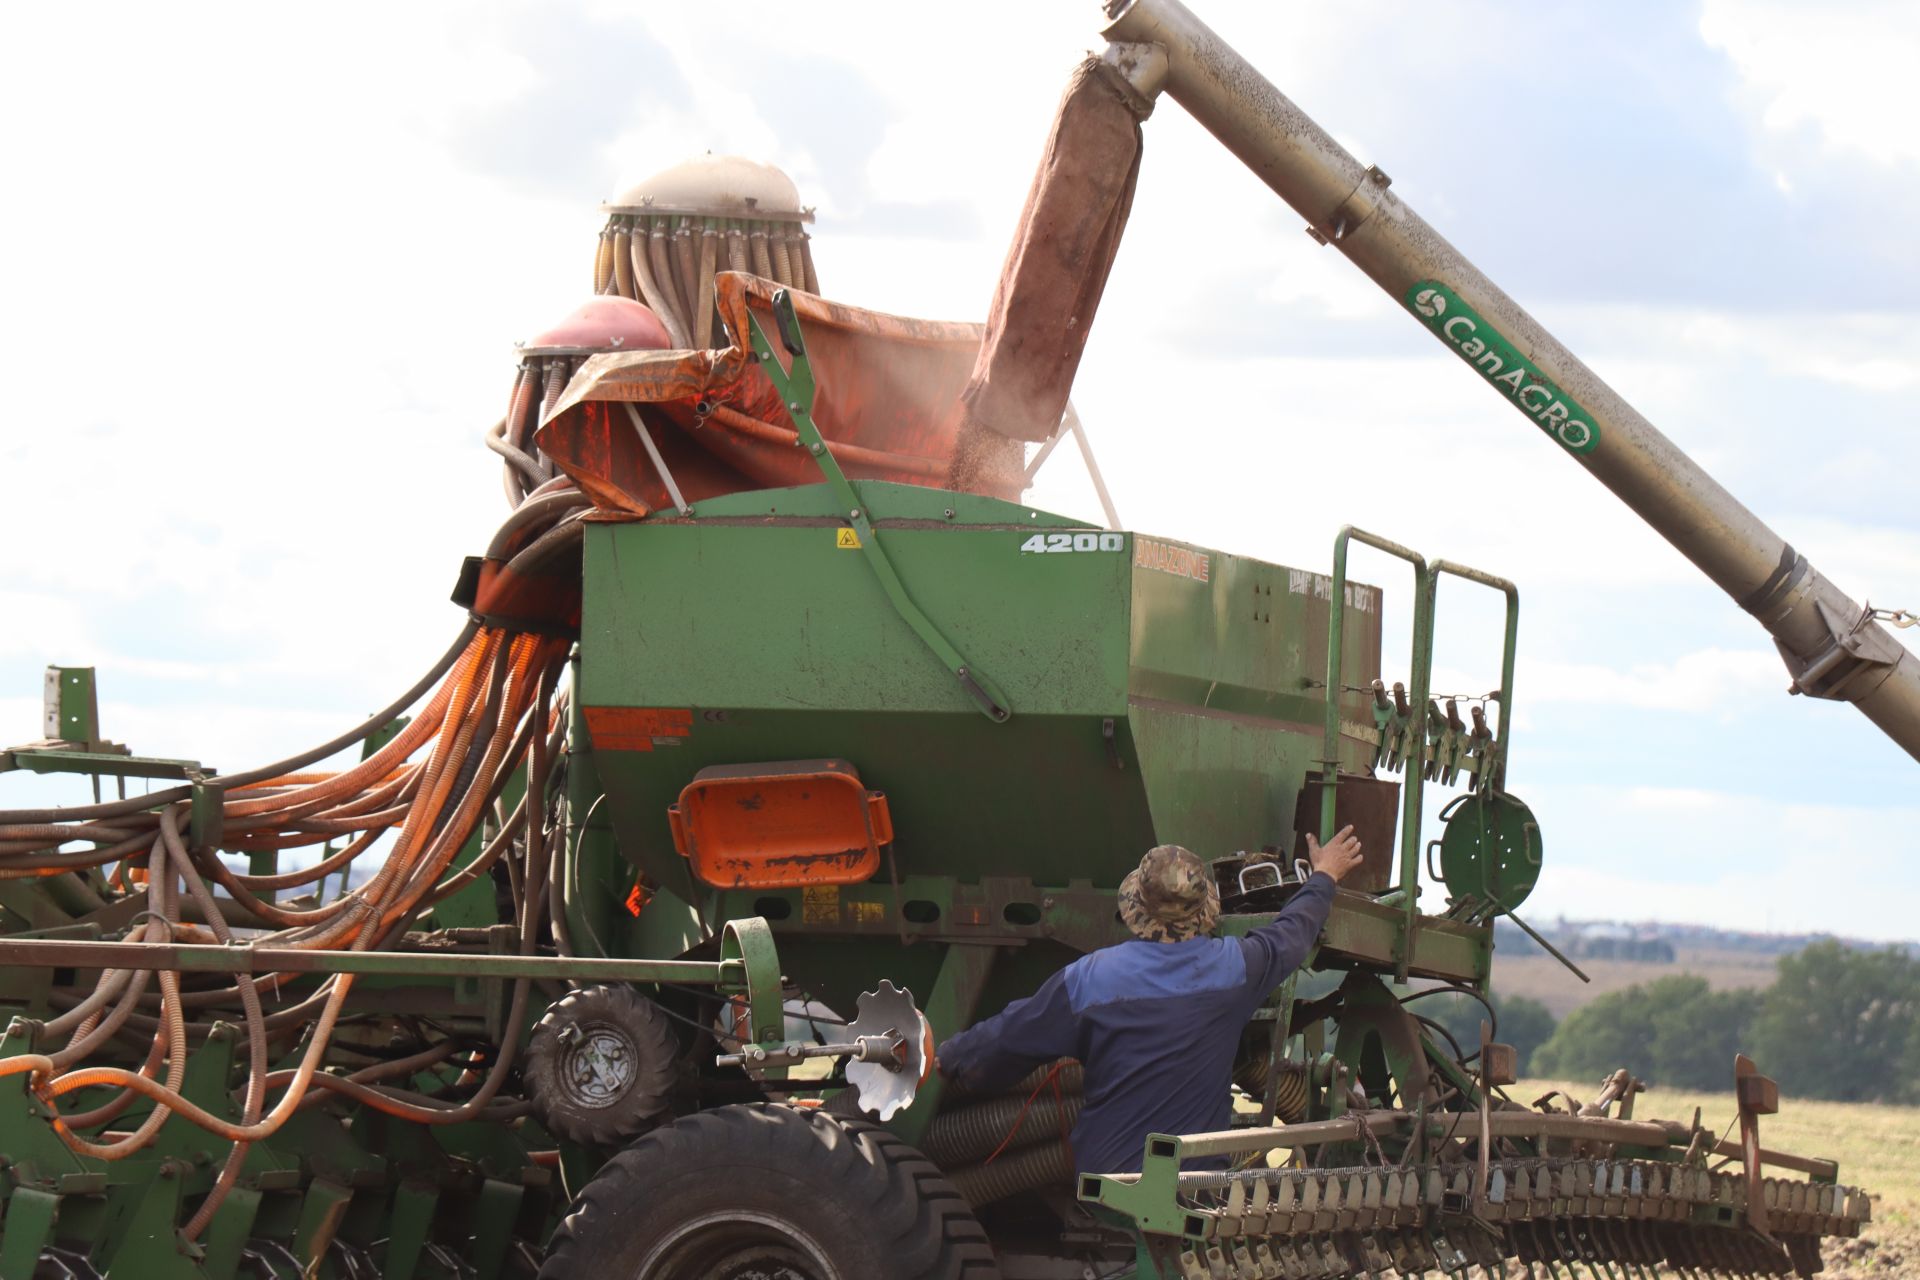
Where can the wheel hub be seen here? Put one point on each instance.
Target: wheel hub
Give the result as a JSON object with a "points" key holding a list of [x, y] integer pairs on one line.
{"points": [[599, 1066], [739, 1245]]}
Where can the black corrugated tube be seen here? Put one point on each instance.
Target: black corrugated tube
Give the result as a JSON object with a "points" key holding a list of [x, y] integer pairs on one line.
{"points": [[970, 1134], [1048, 1165]]}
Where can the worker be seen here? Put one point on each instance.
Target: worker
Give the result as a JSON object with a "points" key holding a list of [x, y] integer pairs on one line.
{"points": [[1155, 1021]]}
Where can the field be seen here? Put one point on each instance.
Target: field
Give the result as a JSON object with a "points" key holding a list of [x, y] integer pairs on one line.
{"points": [[1878, 1148], [1542, 978]]}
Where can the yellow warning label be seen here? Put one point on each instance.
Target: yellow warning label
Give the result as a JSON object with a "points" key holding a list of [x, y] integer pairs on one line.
{"points": [[847, 539], [869, 912], [820, 903]]}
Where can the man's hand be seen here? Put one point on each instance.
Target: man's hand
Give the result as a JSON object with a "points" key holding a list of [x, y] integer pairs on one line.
{"points": [[1340, 856]]}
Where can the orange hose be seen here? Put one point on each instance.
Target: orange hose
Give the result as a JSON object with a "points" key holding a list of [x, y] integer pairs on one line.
{"points": [[487, 699], [404, 744]]}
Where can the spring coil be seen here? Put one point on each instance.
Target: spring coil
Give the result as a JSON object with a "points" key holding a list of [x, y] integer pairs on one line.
{"points": [[1290, 1098]]}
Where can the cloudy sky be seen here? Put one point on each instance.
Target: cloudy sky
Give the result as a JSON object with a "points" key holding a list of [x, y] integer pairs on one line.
{"points": [[263, 265]]}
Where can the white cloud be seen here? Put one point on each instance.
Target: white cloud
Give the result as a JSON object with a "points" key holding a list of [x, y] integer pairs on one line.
{"points": [[1756, 862], [1707, 680], [1827, 66]]}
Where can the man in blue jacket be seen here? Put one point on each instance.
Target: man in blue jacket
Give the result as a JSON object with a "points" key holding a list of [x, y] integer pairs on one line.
{"points": [[1155, 1022]]}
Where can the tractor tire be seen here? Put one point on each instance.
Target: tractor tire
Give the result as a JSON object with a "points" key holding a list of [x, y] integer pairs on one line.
{"points": [[601, 1066], [769, 1192]]}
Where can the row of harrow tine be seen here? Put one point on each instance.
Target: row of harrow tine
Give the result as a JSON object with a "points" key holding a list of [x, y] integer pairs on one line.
{"points": [[1559, 1218], [1561, 1249]]}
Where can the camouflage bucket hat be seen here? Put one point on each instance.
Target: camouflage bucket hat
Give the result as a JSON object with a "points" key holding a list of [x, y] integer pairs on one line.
{"points": [[1169, 897]]}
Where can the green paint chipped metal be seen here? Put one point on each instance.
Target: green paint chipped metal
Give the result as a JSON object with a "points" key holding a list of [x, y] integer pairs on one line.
{"points": [[1494, 358]]}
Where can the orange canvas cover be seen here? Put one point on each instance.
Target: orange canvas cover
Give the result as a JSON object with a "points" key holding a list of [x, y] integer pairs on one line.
{"points": [[888, 405]]}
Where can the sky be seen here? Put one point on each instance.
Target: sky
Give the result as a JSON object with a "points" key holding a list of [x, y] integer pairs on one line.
{"points": [[262, 267]]}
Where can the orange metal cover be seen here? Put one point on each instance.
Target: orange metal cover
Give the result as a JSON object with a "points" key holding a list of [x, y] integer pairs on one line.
{"points": [[775, 825]]}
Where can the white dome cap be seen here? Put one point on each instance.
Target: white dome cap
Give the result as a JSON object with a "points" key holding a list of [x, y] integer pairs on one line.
{"points": [[716, 187]]}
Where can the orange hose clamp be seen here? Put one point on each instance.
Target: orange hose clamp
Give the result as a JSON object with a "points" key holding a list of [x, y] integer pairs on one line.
{"points": [[780, 824]]}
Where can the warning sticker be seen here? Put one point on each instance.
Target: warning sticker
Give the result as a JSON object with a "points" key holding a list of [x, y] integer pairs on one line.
{"points": [[638, 728], [847, 539], [820, 904], [869, 912]]}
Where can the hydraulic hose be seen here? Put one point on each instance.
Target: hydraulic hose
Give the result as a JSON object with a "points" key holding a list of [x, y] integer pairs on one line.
{"points": [[655, 296], [622, 263], [145, 803]]}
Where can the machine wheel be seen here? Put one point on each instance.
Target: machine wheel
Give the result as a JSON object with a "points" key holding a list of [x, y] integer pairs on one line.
{"points": [[600, 1065], [768, 1192]]}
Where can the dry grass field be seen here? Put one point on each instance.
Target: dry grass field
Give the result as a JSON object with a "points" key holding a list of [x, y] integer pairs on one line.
{"points": [[1542, 978], [1878, 1148]]}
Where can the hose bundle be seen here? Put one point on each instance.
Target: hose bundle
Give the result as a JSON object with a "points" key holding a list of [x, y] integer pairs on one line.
{"points": [[668, 261], [404, 812]]}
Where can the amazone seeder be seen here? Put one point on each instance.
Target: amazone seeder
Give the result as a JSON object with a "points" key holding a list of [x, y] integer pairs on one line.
{"points": [[773, 704]]}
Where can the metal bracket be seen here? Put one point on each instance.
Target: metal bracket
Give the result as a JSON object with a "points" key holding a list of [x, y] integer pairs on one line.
{"points": [[796, 388], [748, 945], [659, 463], [1855, 647]]}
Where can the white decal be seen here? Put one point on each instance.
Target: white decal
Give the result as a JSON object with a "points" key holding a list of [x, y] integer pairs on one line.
{"points": [[1058, 542]]}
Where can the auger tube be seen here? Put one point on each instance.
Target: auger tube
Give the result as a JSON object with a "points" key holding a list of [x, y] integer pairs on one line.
{"points": [[1832, 646]]}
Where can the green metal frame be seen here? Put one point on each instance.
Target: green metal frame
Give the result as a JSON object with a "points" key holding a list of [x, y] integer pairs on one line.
{"points": [[1419, 678], [747, 965], [1494, 772]]}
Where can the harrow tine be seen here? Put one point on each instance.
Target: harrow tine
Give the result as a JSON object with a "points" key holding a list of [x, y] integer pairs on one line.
{"points": [[1554, 1255]]}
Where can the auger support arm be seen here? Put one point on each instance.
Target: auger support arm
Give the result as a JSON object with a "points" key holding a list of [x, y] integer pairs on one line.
{"points": [[1833, 647]]}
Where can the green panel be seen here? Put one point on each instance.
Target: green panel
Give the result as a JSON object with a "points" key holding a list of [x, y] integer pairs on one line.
{"points": [[784, 646], [1250, 638], [1228, 662], [1159, 691], [1220, 783], [773, 614], [1038, 795]]}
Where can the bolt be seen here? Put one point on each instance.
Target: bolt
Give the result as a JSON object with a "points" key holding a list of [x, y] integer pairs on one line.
{"points": [[817, 449], [949, 513], [854, 514]]}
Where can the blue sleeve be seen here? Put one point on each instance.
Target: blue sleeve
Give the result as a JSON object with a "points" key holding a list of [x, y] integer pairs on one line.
{"points": [[993, 1055], [1282, 945]]}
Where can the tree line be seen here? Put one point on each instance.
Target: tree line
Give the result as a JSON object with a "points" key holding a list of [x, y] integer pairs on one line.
{"points": [[1837, 1023]]}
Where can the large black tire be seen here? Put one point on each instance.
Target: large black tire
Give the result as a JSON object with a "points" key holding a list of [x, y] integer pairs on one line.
{"points": [[768, 1192], [600, 1066]]}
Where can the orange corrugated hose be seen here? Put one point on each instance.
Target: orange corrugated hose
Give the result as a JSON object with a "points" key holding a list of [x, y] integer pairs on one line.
{"points": [[489, 697]]}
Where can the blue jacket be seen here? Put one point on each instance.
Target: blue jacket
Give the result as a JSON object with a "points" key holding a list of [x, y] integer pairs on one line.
{"points": [[1156, 1025]]}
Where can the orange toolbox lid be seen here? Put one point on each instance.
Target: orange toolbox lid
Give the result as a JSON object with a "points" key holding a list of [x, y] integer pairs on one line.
{"points": [[780, 824]]}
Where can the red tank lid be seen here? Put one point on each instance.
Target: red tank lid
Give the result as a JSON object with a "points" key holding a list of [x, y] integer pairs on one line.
{"points": [[607, 323]]}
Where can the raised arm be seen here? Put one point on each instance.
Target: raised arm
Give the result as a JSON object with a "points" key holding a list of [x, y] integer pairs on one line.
{"points": [[1277, 948]]}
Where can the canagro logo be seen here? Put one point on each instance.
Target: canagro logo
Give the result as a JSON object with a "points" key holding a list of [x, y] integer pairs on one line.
{"points": [[1476, 341]]}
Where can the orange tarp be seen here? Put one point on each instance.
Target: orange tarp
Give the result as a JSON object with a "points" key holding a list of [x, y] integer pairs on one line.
{"points": [[888, 405]]}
